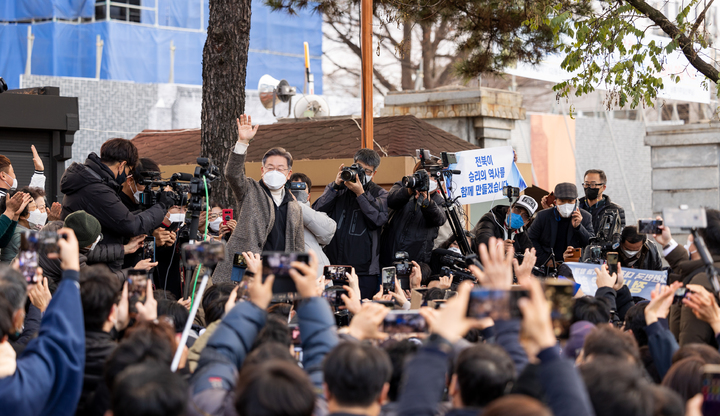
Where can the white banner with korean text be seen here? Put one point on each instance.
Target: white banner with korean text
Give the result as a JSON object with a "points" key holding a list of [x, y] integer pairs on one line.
{"points": [[484, 173]]}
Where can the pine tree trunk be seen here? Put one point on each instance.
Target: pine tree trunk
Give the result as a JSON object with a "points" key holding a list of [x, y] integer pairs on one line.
{"points": [[225, 59], [405, 59]]}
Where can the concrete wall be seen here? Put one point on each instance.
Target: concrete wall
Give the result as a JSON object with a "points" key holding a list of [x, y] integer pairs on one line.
{"points": [[111, 109], [594, 150], [685, 163]]}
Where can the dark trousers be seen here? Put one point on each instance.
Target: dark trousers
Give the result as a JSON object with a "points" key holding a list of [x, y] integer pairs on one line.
{"points": [[369, 285]]}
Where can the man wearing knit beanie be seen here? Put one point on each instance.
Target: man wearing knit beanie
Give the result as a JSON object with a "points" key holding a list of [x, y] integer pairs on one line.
{"points": [[87, 228]]}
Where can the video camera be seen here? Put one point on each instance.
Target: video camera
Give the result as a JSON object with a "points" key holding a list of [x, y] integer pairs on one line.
{"points": [[451, 263], [353, 173], [607, 238], [182, 184]]}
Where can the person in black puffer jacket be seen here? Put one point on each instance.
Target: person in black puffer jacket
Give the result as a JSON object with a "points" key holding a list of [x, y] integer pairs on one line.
{"points": [[413, 223], [507, 224], [94, 186]]}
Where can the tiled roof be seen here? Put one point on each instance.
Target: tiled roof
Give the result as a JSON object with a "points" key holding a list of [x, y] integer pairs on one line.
{"points": [[310, 140]]}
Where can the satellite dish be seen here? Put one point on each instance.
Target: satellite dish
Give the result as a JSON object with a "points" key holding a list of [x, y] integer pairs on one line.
{"points": [[311, 106], [271, 90]]}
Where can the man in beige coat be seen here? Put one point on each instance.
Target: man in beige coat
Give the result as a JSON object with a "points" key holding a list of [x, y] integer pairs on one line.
{"points": [[269, 219]]}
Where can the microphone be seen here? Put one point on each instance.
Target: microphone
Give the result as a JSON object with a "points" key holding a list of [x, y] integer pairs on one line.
{"points": [[185, 177]]}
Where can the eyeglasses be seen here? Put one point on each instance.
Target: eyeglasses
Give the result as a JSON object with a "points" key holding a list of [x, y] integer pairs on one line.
{"points": [[271, 168], [213, 216], [592, 185]]}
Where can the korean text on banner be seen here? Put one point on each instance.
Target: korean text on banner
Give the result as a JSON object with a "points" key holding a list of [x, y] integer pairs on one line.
{"points": [[640, 282], [484, 173]]}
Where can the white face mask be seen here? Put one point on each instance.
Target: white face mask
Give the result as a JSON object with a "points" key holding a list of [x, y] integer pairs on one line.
{"points": [[433, 186], [630, 254], [14, 184], [367, 179], [215, 224], [274, 180], [136, 194], [177, 217], [37, 218], [92, 247], [566, 210], [455, 249]]}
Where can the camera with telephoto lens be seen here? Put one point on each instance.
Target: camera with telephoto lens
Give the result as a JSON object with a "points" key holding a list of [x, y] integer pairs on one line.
{"points": [[419, 181], [607, 238], [353, 173], [451, 263], [150, 196]]}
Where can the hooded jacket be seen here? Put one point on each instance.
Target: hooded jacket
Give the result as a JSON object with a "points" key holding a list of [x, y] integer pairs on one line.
{"points": [[411, 229], [492, 225], [598, 209], [91, 187], [359, 220]]}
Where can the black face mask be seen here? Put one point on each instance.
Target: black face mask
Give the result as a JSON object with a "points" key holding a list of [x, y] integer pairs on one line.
{"points": [[592, 193], [120, 179]]}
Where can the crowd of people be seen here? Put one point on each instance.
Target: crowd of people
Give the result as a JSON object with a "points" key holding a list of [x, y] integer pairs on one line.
{"points": [[84, 334]]}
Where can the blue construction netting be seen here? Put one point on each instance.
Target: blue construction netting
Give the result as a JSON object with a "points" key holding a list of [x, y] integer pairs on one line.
{"points": [[141, 52], [18, 10]]}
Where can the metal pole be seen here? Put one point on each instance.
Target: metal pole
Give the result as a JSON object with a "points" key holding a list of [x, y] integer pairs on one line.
{"points": [[107, 9], [98, 56], [30, 41], [366, 16], [172, 62], [202, 14]]}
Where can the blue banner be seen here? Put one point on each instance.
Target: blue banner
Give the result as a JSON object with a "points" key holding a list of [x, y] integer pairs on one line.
{"points": [[640, 282]]}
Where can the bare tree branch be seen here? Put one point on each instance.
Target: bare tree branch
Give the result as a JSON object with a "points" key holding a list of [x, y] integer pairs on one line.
{"points": [[685, 43], [699, 20]]}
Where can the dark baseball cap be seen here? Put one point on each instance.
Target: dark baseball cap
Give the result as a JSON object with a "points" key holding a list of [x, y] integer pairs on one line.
{"points": [[566, 190]]}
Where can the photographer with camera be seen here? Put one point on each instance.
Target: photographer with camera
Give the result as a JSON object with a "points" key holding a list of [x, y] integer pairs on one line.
{"points": [[133, 188], [557, 230], [359, 207], [272, 219], [415, 218], [637, 252], [94, 186], [508, 224]]}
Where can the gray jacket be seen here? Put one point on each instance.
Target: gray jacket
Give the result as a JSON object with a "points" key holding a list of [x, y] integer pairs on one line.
{"points": [[319, 231], [256, 217]]}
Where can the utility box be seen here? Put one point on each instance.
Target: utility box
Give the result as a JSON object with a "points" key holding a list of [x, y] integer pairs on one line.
{"points": [[40, 117]]}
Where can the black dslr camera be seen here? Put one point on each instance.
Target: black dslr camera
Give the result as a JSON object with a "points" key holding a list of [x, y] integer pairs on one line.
{"points": [[353, 173], [419, 181]]}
